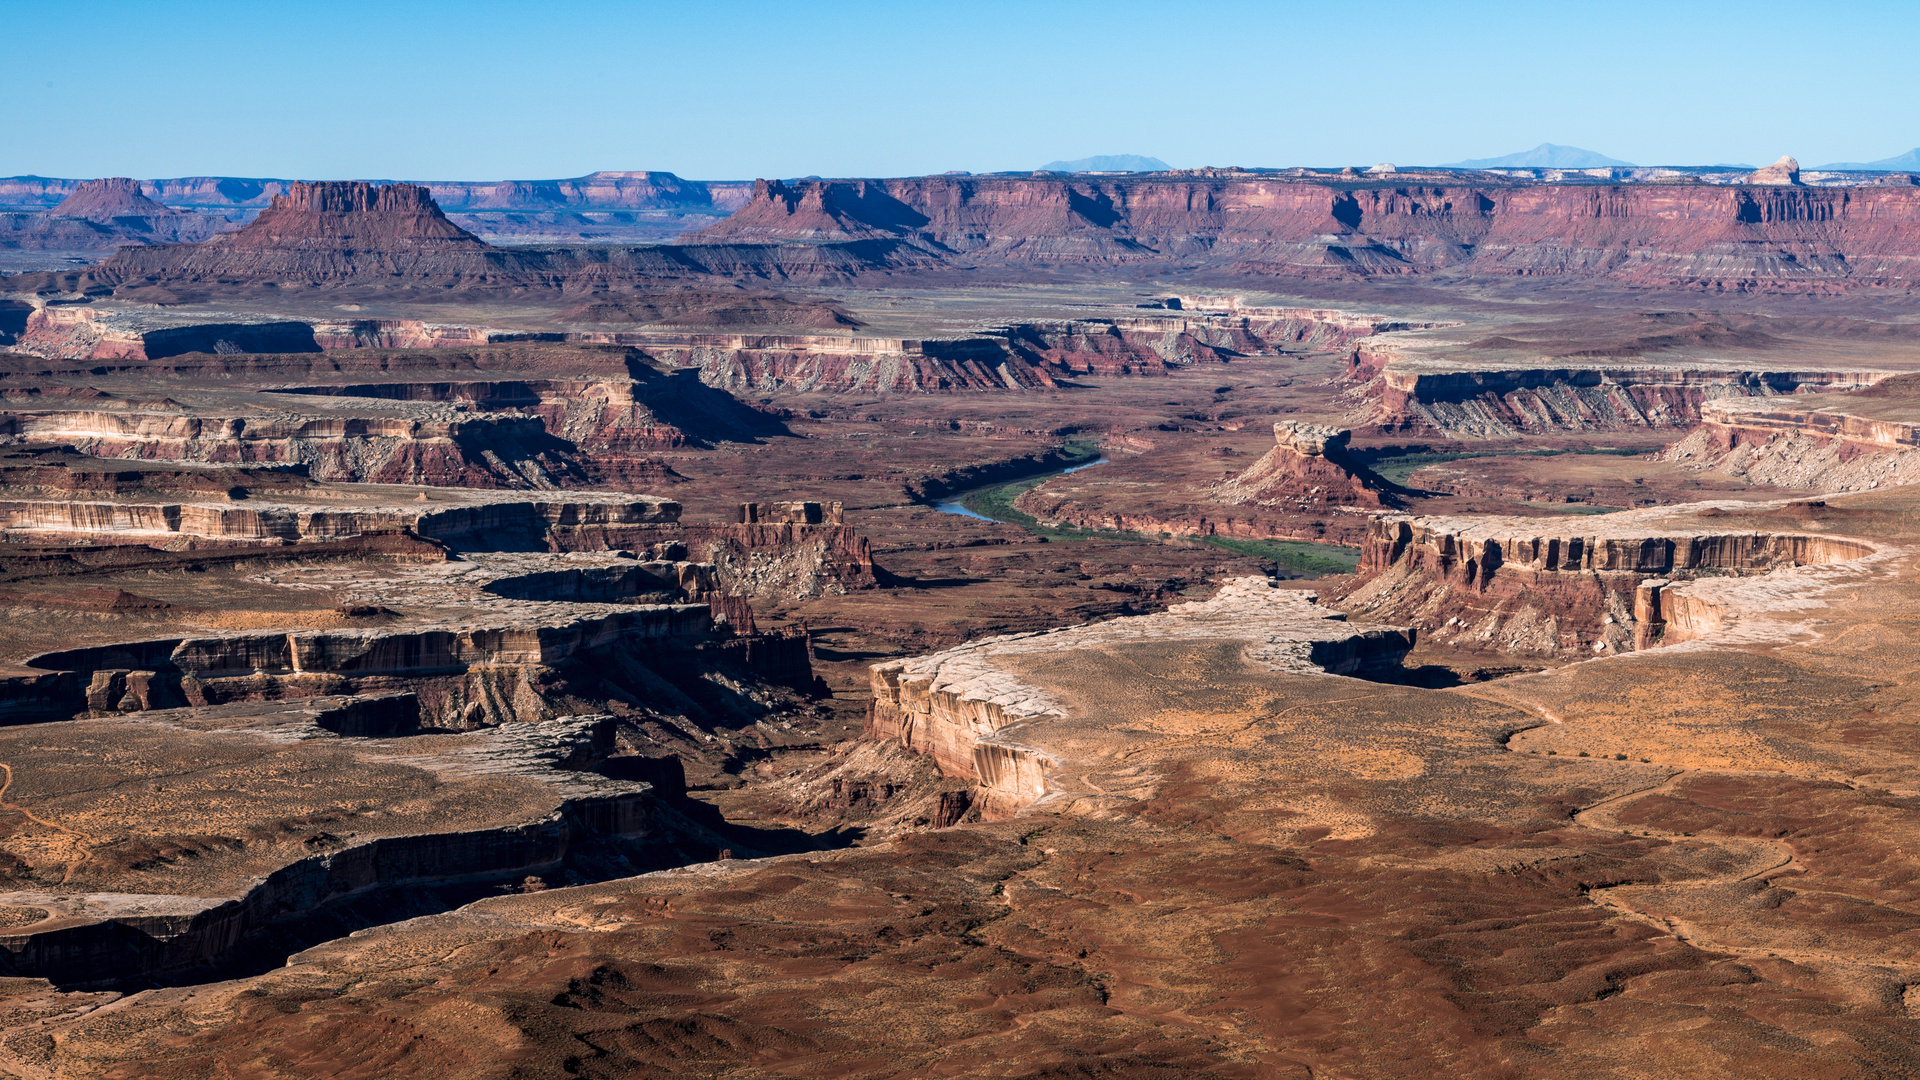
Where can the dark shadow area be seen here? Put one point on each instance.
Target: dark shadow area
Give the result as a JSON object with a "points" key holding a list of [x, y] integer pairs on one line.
{"points": [[890, 580], [1097, 208], [1346, 210], [276, 337], [13, 320], [870, 204], [705, 414], [1426, 676]]}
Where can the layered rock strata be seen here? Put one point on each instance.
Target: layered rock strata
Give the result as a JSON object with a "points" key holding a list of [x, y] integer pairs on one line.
{"points": [[1843, 442], [1011, 356], [1784, 238], [1504, 585], [478, 516], [1308, 469], [502, 450], [981, 713], [487, 639], [126, 889], [1469, 402]]}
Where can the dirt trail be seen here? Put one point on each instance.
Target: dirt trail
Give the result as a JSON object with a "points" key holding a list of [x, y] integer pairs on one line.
{"points": [[83, 842]]}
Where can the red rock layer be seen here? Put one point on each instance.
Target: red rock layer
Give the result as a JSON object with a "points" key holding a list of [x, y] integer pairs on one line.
{"points": [[1652, 234]]}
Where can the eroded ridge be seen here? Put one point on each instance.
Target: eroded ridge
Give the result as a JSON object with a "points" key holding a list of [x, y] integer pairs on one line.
{"points": [[980, 716]]}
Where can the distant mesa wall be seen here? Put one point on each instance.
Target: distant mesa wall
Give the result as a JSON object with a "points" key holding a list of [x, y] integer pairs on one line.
{"points": [[640, 190], [100, 215], [1756, 236], [1696, 234]]}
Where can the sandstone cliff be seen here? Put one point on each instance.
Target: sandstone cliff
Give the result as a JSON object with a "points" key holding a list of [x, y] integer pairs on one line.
{"points": [[1526, 587]]}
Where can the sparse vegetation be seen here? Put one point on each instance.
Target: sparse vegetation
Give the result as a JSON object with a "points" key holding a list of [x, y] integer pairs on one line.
{"points": [[1398, 468], [1296, 556]]}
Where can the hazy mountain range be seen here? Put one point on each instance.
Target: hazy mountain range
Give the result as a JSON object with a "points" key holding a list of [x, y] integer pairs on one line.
{"points": [[1544, 156], [1907, 162]]}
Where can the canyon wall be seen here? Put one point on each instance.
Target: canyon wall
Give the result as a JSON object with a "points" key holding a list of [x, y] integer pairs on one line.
{"points": [[1013, 356], [120, 937], [1843, 442], [641, 190], [1696, 235], [1488, 402], [1506, 585]]}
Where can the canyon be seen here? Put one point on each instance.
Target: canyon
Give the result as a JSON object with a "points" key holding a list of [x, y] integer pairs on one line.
{"points": [[1217, 623]]}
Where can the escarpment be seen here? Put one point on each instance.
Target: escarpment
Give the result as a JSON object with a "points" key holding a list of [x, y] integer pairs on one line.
{"points": [[985, 712], [1780, 238], [1608, 586], [1855, 441], [1506, 403]]}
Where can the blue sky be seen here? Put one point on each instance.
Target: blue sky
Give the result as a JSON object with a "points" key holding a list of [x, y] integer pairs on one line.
{"points": [[485, 90]]}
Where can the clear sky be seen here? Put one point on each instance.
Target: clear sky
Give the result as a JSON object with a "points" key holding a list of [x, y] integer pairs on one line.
{"points": [[488, 90]]}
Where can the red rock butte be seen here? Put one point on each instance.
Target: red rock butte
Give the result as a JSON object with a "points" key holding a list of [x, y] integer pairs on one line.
{"points": [[352, 216], [110, 198]]}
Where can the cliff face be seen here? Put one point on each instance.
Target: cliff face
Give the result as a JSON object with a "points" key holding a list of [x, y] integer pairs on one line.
{"points": [[1521, 586], [1748, 236], [597, 191], [1307, 468], [1667, 234], [1837, 442]]}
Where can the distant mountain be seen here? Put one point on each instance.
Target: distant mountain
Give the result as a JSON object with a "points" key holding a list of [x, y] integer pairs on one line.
{"points": [[1108, 163], [1907, 162], [1545, 156]]}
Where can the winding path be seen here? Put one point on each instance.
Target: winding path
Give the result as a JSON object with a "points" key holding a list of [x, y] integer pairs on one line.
{"points": [[83, 842]]}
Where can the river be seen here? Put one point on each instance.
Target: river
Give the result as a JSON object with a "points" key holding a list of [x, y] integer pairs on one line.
{"points": [[952, 506]]}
